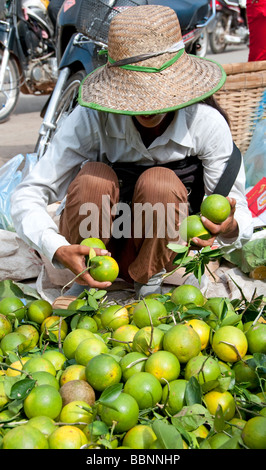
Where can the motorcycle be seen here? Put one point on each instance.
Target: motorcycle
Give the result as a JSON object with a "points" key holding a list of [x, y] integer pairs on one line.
{"points": [[229, 27], [27, 52], [82, 36]]}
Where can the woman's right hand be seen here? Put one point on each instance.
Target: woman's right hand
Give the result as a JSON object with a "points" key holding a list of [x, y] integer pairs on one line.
{"points": [[73, 258]]}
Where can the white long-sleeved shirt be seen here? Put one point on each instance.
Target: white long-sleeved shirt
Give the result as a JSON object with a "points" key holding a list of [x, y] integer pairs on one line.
{"points": [[89, 135]]}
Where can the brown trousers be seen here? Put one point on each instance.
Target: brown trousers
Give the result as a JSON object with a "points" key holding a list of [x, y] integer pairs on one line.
{"points": [[139, 255]]}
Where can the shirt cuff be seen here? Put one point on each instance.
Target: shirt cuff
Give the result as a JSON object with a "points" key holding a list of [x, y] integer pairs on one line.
{"points": [[51, 241]]}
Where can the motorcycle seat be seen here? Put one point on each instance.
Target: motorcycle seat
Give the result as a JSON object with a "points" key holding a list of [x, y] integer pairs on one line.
{"points": [[189, 12]]}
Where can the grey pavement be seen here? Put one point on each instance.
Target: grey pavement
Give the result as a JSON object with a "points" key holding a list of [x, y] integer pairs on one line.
{"points": [[19, 134]]}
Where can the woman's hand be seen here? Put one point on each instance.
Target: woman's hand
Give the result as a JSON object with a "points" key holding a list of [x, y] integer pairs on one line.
{"points": [[73, 258], [227, 229]]}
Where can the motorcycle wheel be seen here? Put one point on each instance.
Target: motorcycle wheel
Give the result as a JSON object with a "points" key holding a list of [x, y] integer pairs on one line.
{"points": [[68, 102], [216, 38], [10, 91]]}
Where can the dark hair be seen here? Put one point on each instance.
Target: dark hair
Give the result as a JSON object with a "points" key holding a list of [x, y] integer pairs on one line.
{"points": [[212, 101]]}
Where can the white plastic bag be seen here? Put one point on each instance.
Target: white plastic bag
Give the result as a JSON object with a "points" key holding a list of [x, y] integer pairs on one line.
{"points": [[255, 156], [10, 177]]}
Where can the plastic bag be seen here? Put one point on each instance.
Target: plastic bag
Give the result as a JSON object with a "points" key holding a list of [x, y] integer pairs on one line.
{"points": [[10, 177], [255, 156]]}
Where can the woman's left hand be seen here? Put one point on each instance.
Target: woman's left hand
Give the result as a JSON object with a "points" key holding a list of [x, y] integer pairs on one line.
{"points": [[227, 229]]}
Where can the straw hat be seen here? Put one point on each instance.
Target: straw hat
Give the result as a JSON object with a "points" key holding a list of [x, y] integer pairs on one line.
{"points": [[148, 70]]}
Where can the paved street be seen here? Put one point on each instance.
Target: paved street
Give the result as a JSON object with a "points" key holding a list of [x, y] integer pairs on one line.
{"points": [[20, 133]]}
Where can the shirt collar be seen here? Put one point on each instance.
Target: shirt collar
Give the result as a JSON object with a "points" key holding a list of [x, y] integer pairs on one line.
{"points": [[121, 126]]}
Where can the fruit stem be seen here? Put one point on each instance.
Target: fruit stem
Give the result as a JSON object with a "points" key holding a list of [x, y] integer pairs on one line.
{"points": [[73, 280], [234, 347], [149, 313], [136, 362]]}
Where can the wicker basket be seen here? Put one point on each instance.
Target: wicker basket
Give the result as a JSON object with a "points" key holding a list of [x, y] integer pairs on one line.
{"points": [[243, 96]]}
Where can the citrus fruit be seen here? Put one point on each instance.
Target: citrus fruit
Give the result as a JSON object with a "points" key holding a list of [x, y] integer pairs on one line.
{"points": [[17, 365], [203, 330], [140, 436], [38, 310], [104, 268], [25, 437], [149, 312], [216, 208], [164, 365], [93, 242], [77, 390], [37, 364], [114, 316], [88, 348], [214, 398], [72, 372], [73, 339], [204, 368], [67, 437], [183, 341], [5, 326], [245, 374], [124, 412], [43, 400], [44, 424], [6, 415], [219, 439], [229, 343], [148, 340], [76, 412], [55, 357], [187, 294], [119, 351], [45, 378], [54, 325], [12, 341], [254, 433], [31, 334], [191, 227], [13, 308], [103, 371], [174, 398], [3, 396], [236, 426], [145, 388], [126, 334], [128, 365], [256, 336], [201, 432], [86, 322]]}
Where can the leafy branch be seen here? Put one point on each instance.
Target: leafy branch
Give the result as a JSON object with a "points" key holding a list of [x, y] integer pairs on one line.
{"points": [[193, 264]]}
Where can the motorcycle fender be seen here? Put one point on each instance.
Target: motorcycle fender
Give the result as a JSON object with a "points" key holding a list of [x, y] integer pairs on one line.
{"points": [[3, 34], [8, 40], [75, 53]]}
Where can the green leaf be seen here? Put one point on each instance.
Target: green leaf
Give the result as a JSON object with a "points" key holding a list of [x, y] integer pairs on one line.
{"points": [[110, 394], [167, 435], [92, 253], [64, 312], [98, 428], [177, 248], [9, 288], [22, 388], [219, 421], [93, 302], [100, 294], [198, 311], [193, 393], [231, 443]]}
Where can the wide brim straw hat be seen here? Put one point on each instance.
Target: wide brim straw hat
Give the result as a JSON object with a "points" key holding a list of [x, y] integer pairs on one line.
{"points": [[148, 70]]}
